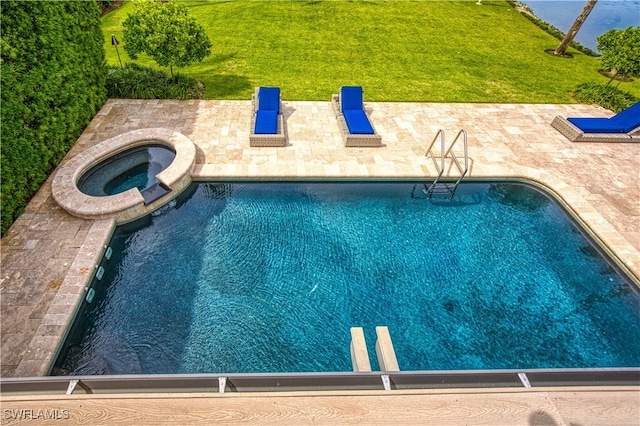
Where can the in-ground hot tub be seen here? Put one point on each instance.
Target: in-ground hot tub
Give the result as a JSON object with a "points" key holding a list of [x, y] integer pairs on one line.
{"points": [[127, 176], [136, 167]]}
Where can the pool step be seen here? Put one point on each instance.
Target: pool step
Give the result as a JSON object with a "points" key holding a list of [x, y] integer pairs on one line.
{"points": [[384, 351], [359, 354], [154, 193]]}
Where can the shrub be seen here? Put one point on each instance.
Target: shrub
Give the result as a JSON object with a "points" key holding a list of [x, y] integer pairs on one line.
{"points": [[139, 82], [167, 33], [53, 75], [621, 51], [606, 96], [104, 5], [107, 6]]}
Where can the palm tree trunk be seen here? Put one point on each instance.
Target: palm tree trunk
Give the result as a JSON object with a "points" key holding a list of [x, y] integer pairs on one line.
{"points": [[613, 76], [566, 41]]}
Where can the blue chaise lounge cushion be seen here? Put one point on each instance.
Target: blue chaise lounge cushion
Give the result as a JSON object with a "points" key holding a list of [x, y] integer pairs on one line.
{"points": [[352, 105], [351, 98], [357, 122], [269, 99], [623, 122], [268, 110], [266, 122]]}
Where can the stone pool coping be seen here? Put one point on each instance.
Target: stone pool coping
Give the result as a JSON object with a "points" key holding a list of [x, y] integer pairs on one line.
{"points": [[49, 256], [128, 205]]}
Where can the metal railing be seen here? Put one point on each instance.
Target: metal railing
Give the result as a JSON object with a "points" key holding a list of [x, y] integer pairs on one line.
{"points": [[445, 153]]}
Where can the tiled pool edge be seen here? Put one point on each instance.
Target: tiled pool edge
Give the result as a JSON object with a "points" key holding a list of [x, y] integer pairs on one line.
{"points": [[617, 249], [42, 348]]}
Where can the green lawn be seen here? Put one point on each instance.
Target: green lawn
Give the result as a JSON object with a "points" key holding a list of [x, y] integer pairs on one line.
{"points": [[442, 51]]}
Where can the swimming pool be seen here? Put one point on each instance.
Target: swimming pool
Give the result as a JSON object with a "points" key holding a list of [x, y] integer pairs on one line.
{"points": [[269, 277]]}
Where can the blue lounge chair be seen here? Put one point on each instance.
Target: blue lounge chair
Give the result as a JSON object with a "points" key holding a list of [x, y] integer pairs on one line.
{"points": [[622, 127], [267, 124], [352, 118]]}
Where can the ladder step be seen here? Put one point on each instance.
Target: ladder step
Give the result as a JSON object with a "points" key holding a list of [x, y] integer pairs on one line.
{"points": [[439, 188], [442, 188]]}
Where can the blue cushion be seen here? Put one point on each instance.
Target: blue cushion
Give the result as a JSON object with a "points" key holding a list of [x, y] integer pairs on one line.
{"points": [[351, 98], [628, 119], [595, 125], [269, 98], [623, 122], [357, 122], [266, 122]]}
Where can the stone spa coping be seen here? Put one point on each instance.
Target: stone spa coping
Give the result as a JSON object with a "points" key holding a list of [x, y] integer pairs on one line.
{"points": [[130, 204]]}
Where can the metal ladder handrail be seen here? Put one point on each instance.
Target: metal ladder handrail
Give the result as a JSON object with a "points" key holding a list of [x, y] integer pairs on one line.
{"points": [[464, 171], [448, 153], [432, 155]]}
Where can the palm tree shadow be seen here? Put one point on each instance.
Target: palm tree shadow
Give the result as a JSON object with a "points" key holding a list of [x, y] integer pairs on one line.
{"points": [[219, 59], [540, 418]]}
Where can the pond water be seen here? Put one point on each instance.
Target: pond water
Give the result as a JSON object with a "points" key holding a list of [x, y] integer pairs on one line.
{"points": [[606, 14]]}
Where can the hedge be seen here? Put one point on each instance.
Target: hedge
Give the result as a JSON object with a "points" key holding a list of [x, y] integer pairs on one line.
{"points": [[53, 83], [135, 81]]}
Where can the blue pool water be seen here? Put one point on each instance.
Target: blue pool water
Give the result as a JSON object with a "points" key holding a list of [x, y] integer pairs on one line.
{"points": [[269, 277], [134, 168]]}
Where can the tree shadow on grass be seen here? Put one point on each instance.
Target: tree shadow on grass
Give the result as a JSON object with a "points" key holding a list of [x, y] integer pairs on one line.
{"points": [[193, 6], [227, 86], [219, 59]]}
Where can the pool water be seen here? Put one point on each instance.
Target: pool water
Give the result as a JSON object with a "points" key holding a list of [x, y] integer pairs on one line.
{"points": [[269, 277], [134, 168]]}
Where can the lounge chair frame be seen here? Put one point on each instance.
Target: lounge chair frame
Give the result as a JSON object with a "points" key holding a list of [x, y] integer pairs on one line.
{"points": [[261, 139], [574, 134], [353, 140]]}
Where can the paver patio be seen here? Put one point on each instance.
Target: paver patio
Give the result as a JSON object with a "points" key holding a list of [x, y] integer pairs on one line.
{"points": [[49, 256]]}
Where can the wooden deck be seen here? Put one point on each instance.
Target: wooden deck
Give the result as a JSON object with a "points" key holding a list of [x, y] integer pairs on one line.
{"points": [[541, 406]]}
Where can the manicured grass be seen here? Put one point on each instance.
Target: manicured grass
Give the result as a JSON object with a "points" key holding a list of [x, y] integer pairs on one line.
{"points": [[442, 51]]}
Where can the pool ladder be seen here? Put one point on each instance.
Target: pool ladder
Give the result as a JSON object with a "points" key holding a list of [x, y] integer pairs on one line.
{"points": [[447, 189]]}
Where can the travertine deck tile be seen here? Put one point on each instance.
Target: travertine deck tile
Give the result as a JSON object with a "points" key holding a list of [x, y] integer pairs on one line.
{"points": [[49, 256]]}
